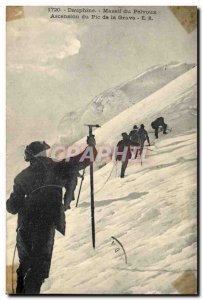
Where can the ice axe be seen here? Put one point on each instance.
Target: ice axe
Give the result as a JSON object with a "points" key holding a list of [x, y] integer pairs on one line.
{"points": [[92, 187], [83, 174]]}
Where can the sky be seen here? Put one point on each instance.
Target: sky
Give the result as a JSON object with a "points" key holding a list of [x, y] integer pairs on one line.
{"points": [[56, 66]]}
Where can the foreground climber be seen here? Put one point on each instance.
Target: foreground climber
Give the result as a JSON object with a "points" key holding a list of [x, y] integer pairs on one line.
{"points": [[37, 199]]}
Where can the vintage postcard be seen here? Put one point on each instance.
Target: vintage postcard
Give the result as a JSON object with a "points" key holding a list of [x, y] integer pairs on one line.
{"points": [[102, 150]]}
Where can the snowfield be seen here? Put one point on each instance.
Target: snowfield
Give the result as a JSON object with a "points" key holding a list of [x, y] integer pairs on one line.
{"points": [[145, 111], [111, 102], [152, 211]]}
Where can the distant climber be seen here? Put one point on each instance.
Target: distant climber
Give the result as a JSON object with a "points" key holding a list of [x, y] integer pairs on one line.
{"points": [[159, 122], [70, 184], [123, 152], [143, 136], [134, 136], [135, 141]]}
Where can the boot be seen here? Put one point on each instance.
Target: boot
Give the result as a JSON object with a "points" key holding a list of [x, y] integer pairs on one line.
{"points": [[33, 282], [20, 288]]}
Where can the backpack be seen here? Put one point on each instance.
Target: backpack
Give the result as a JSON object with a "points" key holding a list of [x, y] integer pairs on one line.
{"points": [[134, 137], [142, 136], [43, 203]]}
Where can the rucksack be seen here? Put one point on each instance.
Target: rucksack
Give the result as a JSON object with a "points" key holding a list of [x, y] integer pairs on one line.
{"points": [[142, 136], [134, 137]]}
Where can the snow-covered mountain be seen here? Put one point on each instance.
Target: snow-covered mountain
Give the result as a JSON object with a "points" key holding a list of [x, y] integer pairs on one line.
{"points": [[115, 100], [152, 211]]}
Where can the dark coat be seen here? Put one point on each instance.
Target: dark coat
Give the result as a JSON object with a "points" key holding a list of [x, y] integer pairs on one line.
{"points": [[143, 135], [42, 183], [122, 146], [37, 198], [134, 137], [158, 122]]}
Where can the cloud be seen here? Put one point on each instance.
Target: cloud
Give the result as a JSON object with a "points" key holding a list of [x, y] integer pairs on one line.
{"points": [[37, 44]]}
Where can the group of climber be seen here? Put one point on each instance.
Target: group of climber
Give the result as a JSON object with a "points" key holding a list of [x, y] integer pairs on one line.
{"points": [[133, 143]]}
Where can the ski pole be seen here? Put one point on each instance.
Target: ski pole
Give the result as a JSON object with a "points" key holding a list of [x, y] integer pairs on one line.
{"points": [[83, 174]]}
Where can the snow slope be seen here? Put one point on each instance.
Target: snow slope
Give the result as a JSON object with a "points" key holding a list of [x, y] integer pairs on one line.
{"points": [[152, 211], [145, 111], [113, 101]]}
